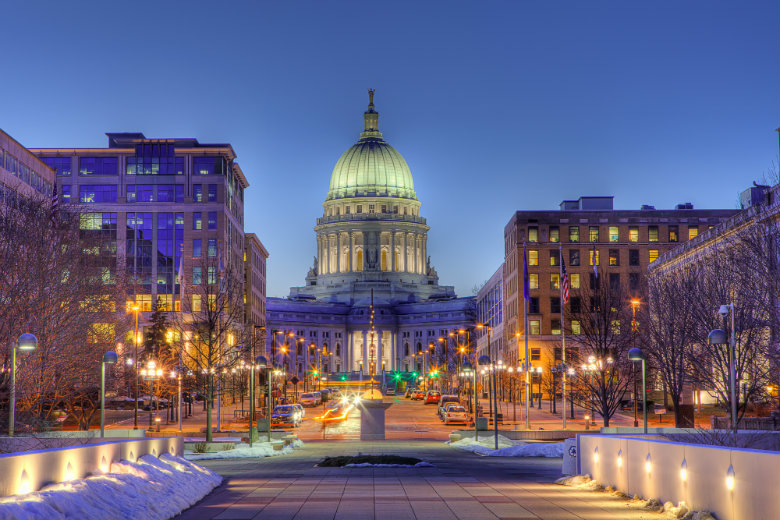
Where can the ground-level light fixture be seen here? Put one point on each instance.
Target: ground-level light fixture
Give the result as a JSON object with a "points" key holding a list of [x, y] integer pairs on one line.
{"points": [[636, 355], [109, 358]]}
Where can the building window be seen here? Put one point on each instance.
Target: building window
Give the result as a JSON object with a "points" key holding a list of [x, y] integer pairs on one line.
{"points": [[197, 221], [615, 327], [196, 275], [97, 166], [211, 272], [633, 234], [555, 328], [195, 303], [633, 282], [555, 258], [555, 234], [60, 165], [536, 353], [212, 193], [674, 235], [197, 193], [555, 305], [614, 234], [574, 280], [653, 255], [533, 281], [533, 305], [575, 327], [197, 248], [533, 234], [533, 257], [614, 257], [574, 257], [614, 282], [575, 305], [652, 233], [65, 188], [208, 166], [359, 208], [96, 194], [212, 220], [212, 247], [574, 233], [555, 281], [593, 233], [633, 257], [166, 192], [693, 232], [593, 257], [594, 282]]}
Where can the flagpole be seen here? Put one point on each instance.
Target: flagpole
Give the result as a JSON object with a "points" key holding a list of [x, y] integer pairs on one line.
{"points": [[181, 331], [527, 363], [563, 344]]}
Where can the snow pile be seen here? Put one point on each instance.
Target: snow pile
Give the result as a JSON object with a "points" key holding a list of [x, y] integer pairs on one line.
{"points": [[243, 451], [509, 448], [149, 488], [422, 464]]}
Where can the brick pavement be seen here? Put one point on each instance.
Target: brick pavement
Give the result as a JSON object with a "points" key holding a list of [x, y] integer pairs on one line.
{"points": [[460, 486]]}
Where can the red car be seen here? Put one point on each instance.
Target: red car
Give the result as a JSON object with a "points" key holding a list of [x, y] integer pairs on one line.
{"points": [[432, 397]]}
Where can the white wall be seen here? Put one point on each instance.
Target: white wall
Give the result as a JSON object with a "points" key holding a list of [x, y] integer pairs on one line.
{"points": [[29, 471], [756, 492]]}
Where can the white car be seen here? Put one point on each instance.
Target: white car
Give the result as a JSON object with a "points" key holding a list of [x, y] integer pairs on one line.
{"points": [[456, 414], [310, 399]]}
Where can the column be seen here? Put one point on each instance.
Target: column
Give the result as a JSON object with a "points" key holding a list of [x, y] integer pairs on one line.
{"points": [[379, 352], [347, 361], [319, 255], [365, 351], [392, 251], [338, 252], [352, 251]]}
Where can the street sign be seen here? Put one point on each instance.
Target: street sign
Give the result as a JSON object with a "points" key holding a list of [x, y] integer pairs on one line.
{"points": [[294, 380]]}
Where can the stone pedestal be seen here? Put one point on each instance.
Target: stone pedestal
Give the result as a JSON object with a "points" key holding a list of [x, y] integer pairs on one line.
{"points": [[372, 419]]}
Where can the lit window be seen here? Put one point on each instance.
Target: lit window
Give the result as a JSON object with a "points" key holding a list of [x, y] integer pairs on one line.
{"points": [[212, 302], [533, 234], [593, 233], [211, 273], [591, 257], [533, 257], [693, 233], [633, 234], [212, 247], [197, 192], [653, 255], [673, 234], [533, 280], [555, 327], [555, 234], [575, 327], [652, 234], [554, 258], [614, 257], [196, 275], [555, 281], [574, 281], [614, 235], [197, 221], [574, 233]]}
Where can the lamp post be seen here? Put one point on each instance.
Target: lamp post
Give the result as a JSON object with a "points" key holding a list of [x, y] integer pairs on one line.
{"points": [[136, 309], [635, 355], [634, 326], [25, 343], [469, 371], [539, 371], [150, 373], [719, 337], [109, 358], [485, 360]]}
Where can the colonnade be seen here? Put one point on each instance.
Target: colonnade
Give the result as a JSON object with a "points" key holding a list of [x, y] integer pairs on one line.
{"points": [[396, 251]]}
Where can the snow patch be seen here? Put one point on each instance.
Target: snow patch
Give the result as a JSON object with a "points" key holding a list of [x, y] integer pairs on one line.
{"points": [[243, 451], [509, 448], [148, 488], [421, 464]]}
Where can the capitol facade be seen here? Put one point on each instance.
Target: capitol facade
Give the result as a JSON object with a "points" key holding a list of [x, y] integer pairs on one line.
{"points": [[371, 254]]}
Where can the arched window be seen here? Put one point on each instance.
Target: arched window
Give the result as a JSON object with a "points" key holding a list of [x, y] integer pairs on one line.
{"points": [[419, 347], [359, 261], [384, 260]]}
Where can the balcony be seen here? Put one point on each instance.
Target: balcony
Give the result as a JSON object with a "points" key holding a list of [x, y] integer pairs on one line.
{"points": [[367, 217]]}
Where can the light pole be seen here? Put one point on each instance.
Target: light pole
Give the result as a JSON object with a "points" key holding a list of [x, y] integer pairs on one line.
{"points": [[136, 309], [539, 371], [636, 354], [485, 360], [719, 337], [25, 343], [634, 326], [467, 370], [109, 358], [150, 373]]}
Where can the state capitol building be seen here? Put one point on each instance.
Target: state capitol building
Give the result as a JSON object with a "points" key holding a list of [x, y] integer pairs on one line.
{"points": [[371, 247]]}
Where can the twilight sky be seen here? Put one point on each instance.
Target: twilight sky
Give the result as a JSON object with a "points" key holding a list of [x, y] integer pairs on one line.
{"points": [[496, 106]]}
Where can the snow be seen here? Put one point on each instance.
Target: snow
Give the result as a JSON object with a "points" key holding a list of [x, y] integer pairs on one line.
{"points": [[216, 439], [149, 488], [509, 448], [242, 451], [421, 464]]}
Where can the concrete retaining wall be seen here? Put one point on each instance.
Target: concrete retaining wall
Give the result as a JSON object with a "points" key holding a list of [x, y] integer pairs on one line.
{"points": [[523, 435], [29, 471], [652, 469]]}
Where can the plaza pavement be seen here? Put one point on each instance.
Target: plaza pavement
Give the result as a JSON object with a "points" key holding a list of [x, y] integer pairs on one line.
{"points": [[461, 485]]}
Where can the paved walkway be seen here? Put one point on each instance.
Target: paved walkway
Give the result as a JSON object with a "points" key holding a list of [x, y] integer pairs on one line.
{"points": [[461, 485]]}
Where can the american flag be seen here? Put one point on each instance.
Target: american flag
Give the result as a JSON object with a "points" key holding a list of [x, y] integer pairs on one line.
{"points": [[564, 282], [55, 203]]}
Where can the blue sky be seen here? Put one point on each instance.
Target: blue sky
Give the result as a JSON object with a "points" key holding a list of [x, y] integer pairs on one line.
{"points": [[496, 106]]}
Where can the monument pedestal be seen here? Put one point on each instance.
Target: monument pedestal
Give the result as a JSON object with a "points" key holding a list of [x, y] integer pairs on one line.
{"points": [[372, 419]]}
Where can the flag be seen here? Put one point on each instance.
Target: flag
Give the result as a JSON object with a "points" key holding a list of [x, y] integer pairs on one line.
{"points": [[180, 275], [526, 283], [564, 283], [595, 257], [55, 204]]}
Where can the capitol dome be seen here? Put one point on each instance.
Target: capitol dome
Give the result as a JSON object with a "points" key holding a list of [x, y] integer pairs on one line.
{"points": [[371, 167]]}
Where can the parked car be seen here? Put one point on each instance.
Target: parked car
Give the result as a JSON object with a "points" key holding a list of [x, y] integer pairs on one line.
{"points": [[432, 397], [443, 410], [300, 409], [325, 394], [309, 399], [390, 391], [456, 414], [285, 415], [418, 395], [446, 399]]}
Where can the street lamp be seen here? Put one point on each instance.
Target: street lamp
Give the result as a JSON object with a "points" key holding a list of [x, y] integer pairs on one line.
{"points": [[25, 343], [136, 309], [636, 354], [150, 373], [260, 362], [539, 371], [719, 337], [468, 371], [109, 358], [485, 360]]}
